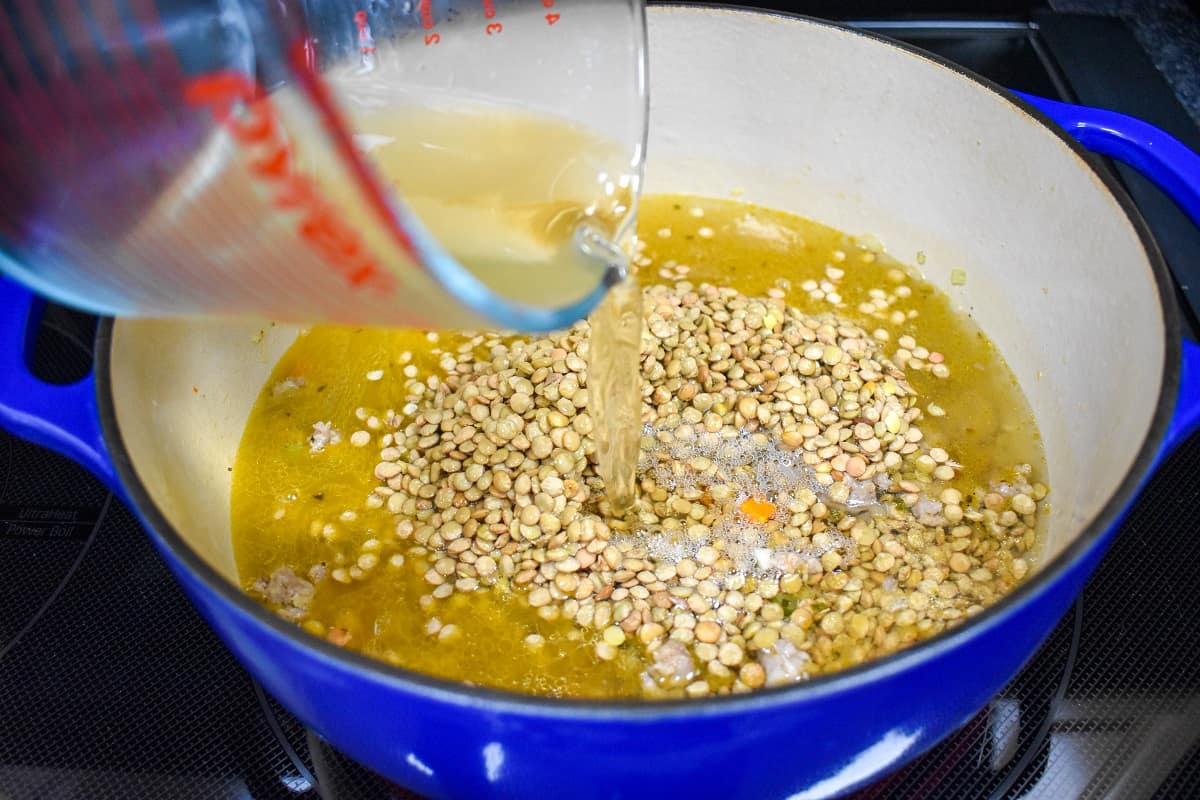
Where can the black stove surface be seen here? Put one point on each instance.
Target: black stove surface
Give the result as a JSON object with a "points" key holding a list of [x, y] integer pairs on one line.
{"points": [[111, 686]]}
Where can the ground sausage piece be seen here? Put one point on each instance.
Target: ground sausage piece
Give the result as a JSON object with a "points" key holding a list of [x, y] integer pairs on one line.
{"points": [[929, 512], [784, 663], [286, 589], [862, 495], [673, 664]]}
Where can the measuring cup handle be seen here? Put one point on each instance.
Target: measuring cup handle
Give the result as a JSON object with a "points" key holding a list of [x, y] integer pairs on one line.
{"points": [[62, 418]]}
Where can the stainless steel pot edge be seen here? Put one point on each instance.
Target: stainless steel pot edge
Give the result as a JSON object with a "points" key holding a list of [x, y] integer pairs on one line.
{"points": [[635, 710]]}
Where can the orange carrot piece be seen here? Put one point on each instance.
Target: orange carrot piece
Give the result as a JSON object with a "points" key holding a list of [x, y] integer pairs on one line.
{"points": [[757, 510]]}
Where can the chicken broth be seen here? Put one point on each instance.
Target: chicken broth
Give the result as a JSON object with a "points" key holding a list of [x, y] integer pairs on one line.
{"points": [[836, 464]]}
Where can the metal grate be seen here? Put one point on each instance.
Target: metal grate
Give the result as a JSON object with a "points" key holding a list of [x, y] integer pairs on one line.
{"points": [[48, 506], [120, 691]]}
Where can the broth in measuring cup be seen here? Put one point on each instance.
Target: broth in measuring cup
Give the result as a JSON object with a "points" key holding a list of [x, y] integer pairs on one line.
{"points": [[835, 464], [505, 193]]}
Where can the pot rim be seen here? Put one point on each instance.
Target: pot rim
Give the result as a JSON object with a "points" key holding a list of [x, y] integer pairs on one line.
{"points": [[816, 688]]}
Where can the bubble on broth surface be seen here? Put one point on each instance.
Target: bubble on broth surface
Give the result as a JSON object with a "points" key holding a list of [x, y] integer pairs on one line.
{"points": [[727, 469]]}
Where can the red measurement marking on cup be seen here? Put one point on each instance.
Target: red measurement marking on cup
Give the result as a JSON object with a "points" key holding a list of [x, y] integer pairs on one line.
{"points": [[489, 12], [425, 7], [552, 17], [366, 42], [257, 128]]}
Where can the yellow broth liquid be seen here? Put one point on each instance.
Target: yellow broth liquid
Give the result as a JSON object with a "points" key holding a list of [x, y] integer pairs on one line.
{"points": [[284, 496]]}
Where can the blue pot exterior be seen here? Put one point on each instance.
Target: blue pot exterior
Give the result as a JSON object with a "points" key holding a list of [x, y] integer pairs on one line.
{"points": [[795, 743]]}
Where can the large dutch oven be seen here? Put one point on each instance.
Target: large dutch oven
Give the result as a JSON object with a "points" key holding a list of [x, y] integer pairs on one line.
{"points": [[842, 127]]}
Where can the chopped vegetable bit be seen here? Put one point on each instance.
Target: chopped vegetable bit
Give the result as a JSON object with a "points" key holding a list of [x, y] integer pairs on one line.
{"points": [[323, 434], [958, 277], [757, 510], [287, 385]]}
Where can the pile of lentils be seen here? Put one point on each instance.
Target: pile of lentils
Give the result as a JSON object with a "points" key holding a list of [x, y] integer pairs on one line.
{"points": [[490, 472]]}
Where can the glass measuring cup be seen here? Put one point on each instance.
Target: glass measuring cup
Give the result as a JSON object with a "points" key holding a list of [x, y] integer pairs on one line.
{"points": [[226, 158]]}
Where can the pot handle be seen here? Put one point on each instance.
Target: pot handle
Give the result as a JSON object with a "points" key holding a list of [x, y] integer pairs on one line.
{"points": [[1175, 169], [1186, 419], [62, 418], [1162, 158]]}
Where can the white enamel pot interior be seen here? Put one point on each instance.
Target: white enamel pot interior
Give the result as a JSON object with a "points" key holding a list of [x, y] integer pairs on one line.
{"points": [[836, 126]]}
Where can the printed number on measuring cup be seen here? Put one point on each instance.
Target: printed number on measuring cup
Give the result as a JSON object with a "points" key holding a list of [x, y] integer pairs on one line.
{"points": [[551, 18], [495, 27], [432, 38]]}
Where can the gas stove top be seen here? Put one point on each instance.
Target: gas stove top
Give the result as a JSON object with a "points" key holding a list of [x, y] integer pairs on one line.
{"points": [[111, 686]]}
